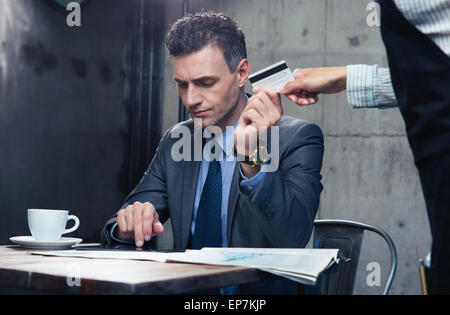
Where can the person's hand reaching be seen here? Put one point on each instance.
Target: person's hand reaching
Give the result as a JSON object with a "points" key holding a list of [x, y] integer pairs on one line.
{"points": [[309, 83]]}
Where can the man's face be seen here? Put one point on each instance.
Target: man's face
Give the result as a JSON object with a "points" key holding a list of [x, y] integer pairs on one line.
{"points": [[207, 88]]}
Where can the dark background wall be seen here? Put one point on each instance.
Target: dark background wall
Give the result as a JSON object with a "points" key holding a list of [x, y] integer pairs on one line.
{"points": [[75, 103]]}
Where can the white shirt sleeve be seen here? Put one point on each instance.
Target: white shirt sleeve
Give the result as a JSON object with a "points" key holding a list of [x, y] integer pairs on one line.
{"points": [[369, 87]]}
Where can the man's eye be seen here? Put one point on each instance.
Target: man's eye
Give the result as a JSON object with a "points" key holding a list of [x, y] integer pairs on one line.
{"points": [[207, 83], [182, 85]]}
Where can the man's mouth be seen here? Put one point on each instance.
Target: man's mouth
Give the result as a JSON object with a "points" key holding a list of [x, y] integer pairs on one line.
{"points": [[200, 113]]}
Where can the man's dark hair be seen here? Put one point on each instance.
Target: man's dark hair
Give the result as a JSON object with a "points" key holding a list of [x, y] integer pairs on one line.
{"points": [[194, 32]]}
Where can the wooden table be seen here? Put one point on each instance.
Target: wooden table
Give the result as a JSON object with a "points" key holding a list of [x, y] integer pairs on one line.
{"points": [[63, 275]]}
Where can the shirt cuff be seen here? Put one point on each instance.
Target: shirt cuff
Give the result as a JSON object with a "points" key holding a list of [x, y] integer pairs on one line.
{"points": [[383, 91], [370, 87], [115, 239], [360, 86], [248, 186]]}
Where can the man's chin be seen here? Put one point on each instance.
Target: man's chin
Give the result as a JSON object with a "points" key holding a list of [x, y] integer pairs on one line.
{"points": [[202, 122]]}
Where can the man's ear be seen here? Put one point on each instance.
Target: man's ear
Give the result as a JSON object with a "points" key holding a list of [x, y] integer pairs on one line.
{"points": [[243, 71]]}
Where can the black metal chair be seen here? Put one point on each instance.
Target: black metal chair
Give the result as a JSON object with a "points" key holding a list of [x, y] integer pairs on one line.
{"points": [[348, 237]]}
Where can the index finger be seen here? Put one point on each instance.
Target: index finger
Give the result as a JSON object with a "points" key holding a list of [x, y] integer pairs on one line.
{"points": [[292, 87], [147, 220], [137, 221]]}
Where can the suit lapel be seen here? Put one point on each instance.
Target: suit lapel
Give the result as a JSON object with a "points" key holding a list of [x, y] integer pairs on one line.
{"points": [[187, 198], [190, 175], [232, 200]]}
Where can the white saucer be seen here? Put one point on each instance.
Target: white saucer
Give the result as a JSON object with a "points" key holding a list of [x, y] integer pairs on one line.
{"points": [[30, 242]]}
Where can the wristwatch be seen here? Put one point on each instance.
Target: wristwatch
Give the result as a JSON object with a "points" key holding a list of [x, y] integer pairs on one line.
{"points": [[257, 158]]}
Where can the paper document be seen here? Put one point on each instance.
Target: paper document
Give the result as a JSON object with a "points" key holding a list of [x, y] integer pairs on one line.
{"points": [[300, 265]]}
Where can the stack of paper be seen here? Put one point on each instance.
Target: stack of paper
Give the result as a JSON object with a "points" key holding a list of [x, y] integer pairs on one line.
{"points": [[300, 265]]}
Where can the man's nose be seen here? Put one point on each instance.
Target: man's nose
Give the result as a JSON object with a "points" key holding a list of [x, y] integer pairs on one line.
{"points": [[193, 97]]}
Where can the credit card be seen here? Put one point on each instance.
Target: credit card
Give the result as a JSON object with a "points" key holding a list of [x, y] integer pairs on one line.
{"points": [[276, 76]]}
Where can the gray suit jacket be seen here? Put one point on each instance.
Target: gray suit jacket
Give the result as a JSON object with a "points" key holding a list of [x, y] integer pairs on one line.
{"points": [[279, 214]]}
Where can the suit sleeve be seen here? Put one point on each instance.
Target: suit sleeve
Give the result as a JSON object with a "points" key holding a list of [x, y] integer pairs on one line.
{"points": [[152, 188], [287, 200]]}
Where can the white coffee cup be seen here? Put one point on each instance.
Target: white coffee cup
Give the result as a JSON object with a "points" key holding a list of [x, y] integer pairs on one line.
{"points": [[49, 225]]}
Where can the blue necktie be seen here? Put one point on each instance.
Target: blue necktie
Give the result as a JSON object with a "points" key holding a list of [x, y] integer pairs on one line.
{"points": [[208, 223]]}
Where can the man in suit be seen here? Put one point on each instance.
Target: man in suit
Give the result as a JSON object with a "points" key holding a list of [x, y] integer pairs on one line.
{"points": [[225, 202]]}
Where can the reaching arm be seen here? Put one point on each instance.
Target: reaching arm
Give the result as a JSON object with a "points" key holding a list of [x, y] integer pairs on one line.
{"points": [[366, 86]]}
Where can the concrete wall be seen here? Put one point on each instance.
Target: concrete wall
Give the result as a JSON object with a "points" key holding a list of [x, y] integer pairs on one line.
{"points": [[368, 172]]}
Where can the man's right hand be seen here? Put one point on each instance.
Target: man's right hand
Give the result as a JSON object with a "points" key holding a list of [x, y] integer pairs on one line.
{"points": [[140, 222], [309, 83]]}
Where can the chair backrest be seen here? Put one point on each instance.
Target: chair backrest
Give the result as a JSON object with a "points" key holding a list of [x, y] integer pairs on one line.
{"points": [[348, 237]]}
